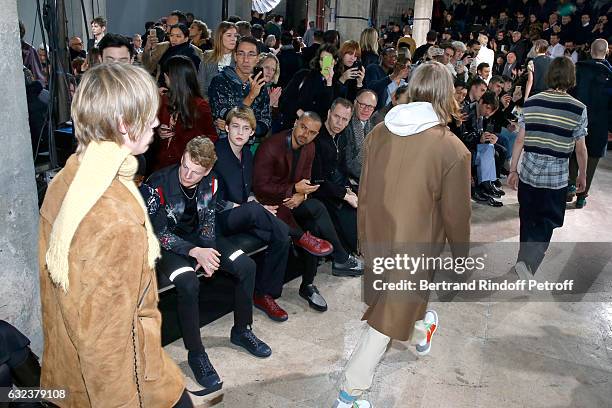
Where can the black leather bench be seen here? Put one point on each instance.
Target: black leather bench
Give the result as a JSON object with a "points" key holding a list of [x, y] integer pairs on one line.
{"points": [[217, 292]]}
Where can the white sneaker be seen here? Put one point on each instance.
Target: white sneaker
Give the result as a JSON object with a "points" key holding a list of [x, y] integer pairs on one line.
{"points": [[346, 401], [431, 324], [523, 271]]}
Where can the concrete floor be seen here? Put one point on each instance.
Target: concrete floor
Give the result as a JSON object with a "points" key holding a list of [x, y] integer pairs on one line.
{"points": [[486, 353]]}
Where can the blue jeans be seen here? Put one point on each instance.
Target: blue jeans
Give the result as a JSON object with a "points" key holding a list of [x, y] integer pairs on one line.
{"points": [[485, 162], [506, 139]]}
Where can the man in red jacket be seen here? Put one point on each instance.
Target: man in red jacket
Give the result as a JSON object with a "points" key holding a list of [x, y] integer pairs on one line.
{"points": [[281, 177]]}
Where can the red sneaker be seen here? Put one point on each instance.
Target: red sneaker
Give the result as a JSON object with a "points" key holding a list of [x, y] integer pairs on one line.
{"points": [[313, 245], [269, 306]]}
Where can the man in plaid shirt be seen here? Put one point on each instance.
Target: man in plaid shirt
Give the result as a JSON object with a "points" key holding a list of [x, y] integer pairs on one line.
{"points": [[553, 125]]}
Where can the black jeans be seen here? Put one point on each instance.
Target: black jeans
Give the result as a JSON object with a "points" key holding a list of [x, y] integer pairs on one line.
{"points": [[313, 216], [253, 218], [541, 210], [344, 219], [590, 172], [179, 270]]}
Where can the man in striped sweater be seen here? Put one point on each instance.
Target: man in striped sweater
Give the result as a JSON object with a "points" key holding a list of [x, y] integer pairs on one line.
{"points": [[553, 125]]}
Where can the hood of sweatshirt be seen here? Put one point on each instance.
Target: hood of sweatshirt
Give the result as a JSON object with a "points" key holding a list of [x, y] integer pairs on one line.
{"points": [[410, 119]]}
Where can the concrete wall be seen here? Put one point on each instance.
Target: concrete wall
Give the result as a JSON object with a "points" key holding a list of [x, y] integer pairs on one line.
{"points": [[351, 18], [19, 291]]}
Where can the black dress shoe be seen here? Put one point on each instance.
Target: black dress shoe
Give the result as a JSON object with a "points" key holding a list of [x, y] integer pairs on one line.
{"points": [[497, 183], [479, 196], [489, 188], [494, 203], [314, 298]]}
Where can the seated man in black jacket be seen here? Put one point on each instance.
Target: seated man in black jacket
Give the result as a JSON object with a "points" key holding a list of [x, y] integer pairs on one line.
{"points": [[329, 170], [242, 212], [182, 203], [476, 132]]}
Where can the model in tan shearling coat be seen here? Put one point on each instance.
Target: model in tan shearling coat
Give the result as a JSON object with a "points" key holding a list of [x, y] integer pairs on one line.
{"points": [[106, 325]]}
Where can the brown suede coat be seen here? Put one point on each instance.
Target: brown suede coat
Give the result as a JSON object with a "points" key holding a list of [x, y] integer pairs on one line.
{"points": [[414, 195], [111, 305]]}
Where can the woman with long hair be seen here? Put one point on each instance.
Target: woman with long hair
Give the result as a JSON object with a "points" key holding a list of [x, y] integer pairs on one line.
{"points": [[368, 44], [221, 56], [183, 114], [350, 73], [423, 209]]}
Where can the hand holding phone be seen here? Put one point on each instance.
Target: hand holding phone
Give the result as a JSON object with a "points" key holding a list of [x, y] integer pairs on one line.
{"points": [[326, 65]]}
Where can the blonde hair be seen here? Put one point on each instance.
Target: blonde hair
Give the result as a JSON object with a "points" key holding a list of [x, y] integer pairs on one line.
{"points": [[369, 40], [244, 113], [217, 51], [432, 82], [201, 151], [263, 57], [109, 93]]}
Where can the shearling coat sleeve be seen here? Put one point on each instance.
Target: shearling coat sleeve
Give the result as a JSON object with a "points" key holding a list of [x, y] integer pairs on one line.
{"points": [[456, 207], [103, 332]]}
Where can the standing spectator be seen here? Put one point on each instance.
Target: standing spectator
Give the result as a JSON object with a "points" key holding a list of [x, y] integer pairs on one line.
{"points": [[568, 29], [430, 199], [116, 48], [289, 59], [257, 32], [368, 43], [256, 18], [221, 56], [309, 52], [310, 89], [76, 48], [594, 89], [98, 30], [238, 87], [537, 70], [309, 34], [183, 114], [554, 125], [30, 58], [199, 35]]}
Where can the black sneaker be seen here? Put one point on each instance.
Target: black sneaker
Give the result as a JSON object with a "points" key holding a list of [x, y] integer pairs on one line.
{"points": [[204, 372], [247, 340], [314, 298], [351, 267]]}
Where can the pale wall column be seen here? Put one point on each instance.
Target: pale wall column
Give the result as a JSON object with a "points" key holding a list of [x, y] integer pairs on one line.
{"points": [[351, 18], [422, 20], [19, 290]]}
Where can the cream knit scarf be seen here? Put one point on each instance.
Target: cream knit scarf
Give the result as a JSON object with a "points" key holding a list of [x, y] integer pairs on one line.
{"points": [[100, 165]]}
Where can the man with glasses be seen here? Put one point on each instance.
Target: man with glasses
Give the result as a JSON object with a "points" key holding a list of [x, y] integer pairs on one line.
{"points": [[76, 48], [357, 130], [239, 87]]}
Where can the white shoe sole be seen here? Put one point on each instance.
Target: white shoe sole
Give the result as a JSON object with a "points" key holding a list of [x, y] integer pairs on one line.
{"points": [[426, 350]]}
